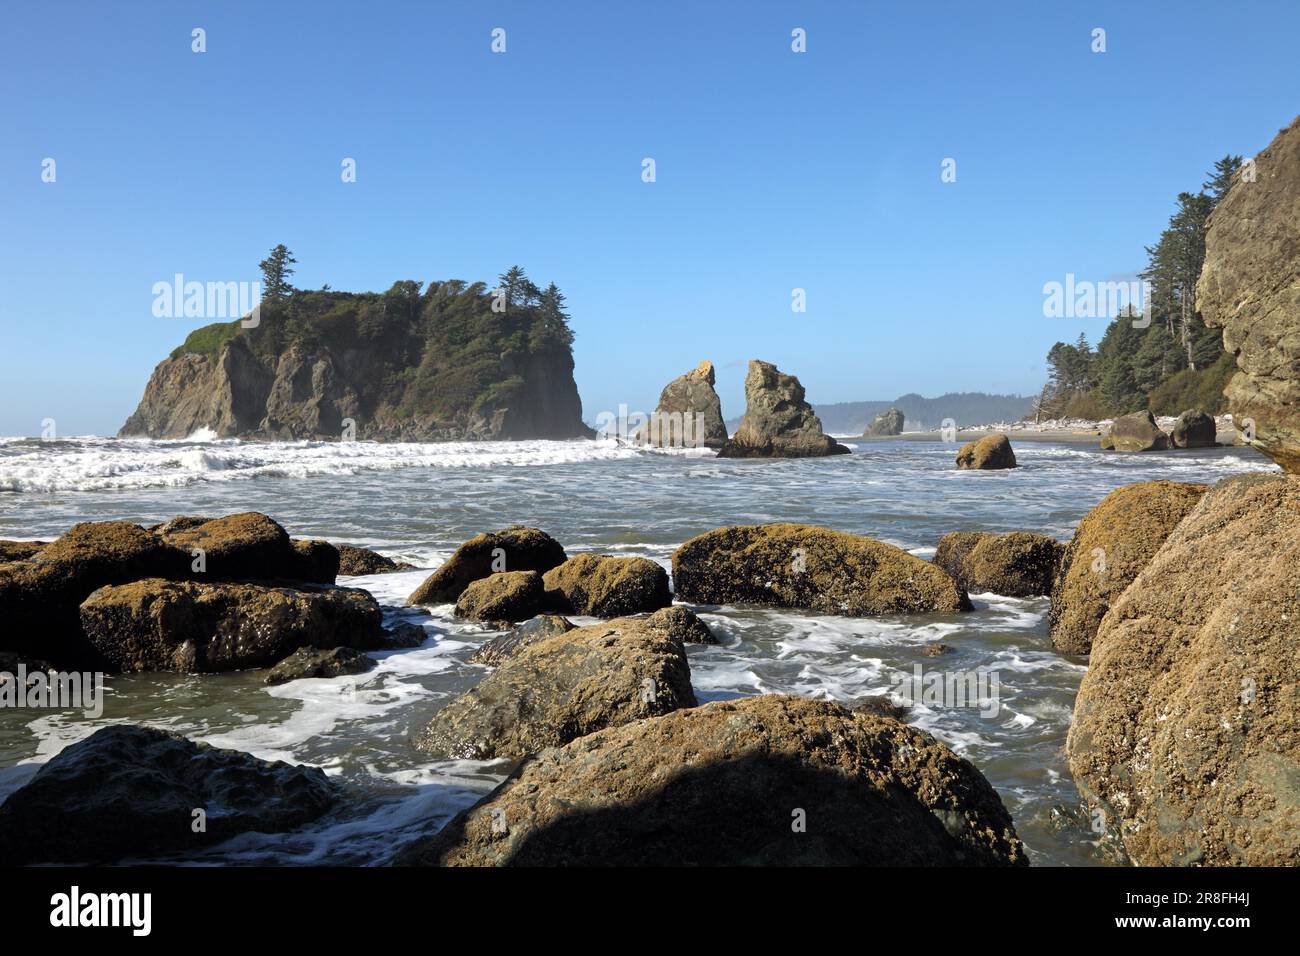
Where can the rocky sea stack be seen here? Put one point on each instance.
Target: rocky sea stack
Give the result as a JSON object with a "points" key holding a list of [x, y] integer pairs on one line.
{"points": [[886, 423], [691, 395], [778, 422], [404, 365], [1250, 286]]}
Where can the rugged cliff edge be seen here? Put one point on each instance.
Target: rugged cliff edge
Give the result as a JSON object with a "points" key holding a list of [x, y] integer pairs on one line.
{"points": [[397, 366], [1250, 286]]}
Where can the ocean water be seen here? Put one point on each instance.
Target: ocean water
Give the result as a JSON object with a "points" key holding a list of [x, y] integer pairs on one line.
{"points": [[416, 502]]}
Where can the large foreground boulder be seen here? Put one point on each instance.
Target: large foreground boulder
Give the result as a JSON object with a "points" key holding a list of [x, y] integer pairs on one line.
{"points": [[40, 594], [778, 422], [514, 549], [1113, 542], [563, 687], [249, 546], [990, 453], [1018, 564], [1137, 431], [1193, 429], [1186, 730], [39, 597], [689, 398], [129, 792], [803, 566], [193, 628], [604, 586], [765, 781], [1250, 287], [885, 424]]}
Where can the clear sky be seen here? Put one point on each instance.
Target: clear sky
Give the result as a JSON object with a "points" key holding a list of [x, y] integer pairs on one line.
{"points": [[775, 170]]}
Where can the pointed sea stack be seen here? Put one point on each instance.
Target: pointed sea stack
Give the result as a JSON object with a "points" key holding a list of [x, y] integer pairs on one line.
{"points": [[778, 422], [690, 394]]}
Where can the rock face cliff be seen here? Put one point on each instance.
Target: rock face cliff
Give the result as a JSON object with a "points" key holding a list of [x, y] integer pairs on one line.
{"points": [[778, 422], [1250, 286], [401, 366]]}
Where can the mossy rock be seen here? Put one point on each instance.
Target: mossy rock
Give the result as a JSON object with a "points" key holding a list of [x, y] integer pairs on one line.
{"points": [[804, 566]]}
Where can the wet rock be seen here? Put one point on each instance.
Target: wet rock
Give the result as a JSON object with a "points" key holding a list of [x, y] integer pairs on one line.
{"points": [[990, 453], [402, 635], [129, 792], [683, 623], [190, 627], [1113, 542], [885, 424], [778, 422], [1018, 564], [603, 586], [19, 550], [691, 395], [309, 662], [767, 780], [514, 549], [354, 561], [802, 566], [1193, 429], [245, 547], [1135, 432], [1186, 730], [317, 562], [508, 596], [1250, 287], [879, 705], [563, 687], [39, 597], [935, 650], [493, 652]]}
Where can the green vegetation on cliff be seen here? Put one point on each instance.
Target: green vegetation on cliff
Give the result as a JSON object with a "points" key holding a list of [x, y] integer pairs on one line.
{"points": [[1171, 360], [438, 350]]}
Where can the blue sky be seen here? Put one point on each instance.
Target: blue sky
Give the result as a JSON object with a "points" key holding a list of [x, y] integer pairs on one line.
{"points": [[775, 170]]}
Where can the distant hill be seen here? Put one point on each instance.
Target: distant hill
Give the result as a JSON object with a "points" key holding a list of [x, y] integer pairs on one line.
{"points": [[922, 414]]}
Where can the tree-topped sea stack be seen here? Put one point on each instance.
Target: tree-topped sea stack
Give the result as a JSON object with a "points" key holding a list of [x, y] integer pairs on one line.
{"points": [[691, 395], [885, 424], [778, 422], [1250, 286], [404, 365]]}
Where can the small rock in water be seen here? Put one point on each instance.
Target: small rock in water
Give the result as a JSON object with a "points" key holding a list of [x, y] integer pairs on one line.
{"points": [[309, 662], [990, 453]]}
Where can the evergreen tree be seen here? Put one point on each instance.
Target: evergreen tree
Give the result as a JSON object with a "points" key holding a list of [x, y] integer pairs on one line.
{"points": [[1221, 179], [553, 321], [515, 284], [275, 273]]}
